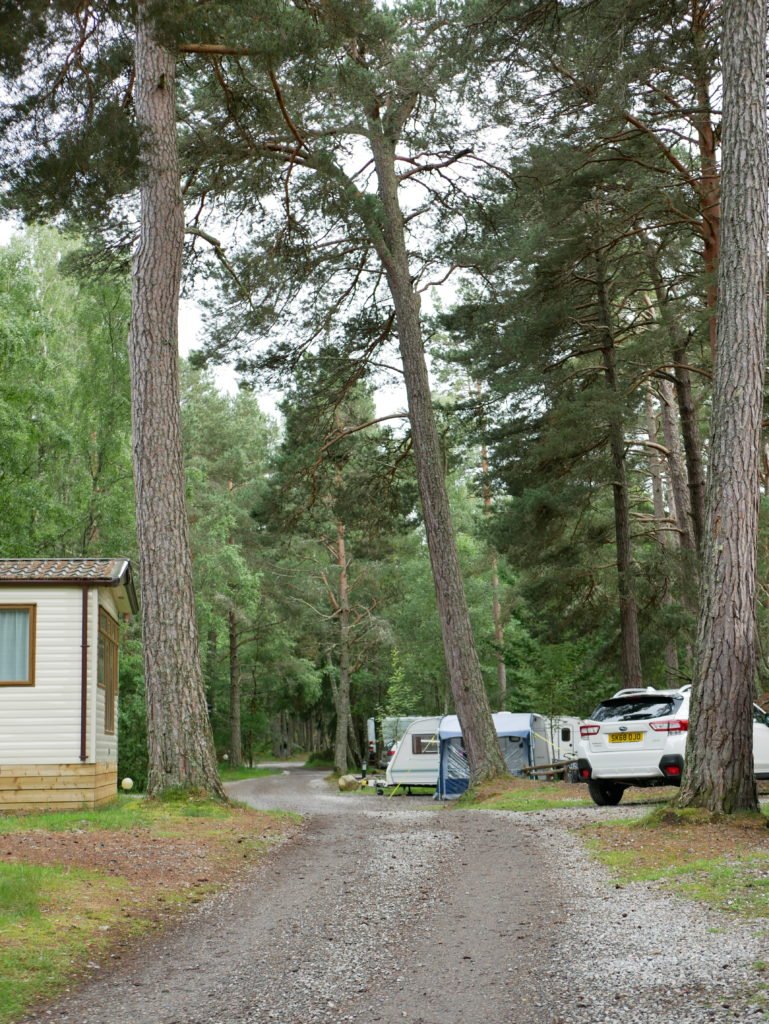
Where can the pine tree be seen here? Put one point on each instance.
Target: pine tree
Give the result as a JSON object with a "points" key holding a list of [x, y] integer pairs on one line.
{"points": [[369, 80], [719, 762]]}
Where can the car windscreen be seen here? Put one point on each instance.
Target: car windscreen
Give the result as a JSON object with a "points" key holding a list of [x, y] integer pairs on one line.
{"points": [[628, 709]]}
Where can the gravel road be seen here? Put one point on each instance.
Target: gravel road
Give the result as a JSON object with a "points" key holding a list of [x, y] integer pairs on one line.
{"points": [[392, 911]]}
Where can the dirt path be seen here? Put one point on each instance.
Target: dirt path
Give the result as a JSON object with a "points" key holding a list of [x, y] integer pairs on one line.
{"points": [[388, 911]]}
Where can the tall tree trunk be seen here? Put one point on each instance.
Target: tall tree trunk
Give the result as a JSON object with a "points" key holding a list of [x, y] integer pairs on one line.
{"points": [[628, 607], [690, 432], [342, 693], [663, 535], [709, 181], [682, 510], [499, 629], [354, 743], [719, 763], [236, 752], [464, 670], [676, 467], [181, 750]]}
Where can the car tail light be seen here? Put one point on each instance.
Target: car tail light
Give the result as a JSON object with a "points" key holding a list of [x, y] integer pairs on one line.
{"points": [[673, 771], [670, 725], [589, 730], [391, 753], [585, 773]]}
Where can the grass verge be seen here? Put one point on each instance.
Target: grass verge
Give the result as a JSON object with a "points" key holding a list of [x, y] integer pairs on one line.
{"points": [[77, 887], [515, 794], [723, 862]]}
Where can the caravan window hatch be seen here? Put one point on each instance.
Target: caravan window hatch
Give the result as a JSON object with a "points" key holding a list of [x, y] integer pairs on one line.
{"points": [[424, 744]]}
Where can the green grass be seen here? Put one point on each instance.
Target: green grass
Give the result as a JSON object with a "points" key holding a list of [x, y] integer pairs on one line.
{"points": [[319, 762], [42, 935], [738, 885], [54, 919], [125, 813], [718, 861], [20, 886]]}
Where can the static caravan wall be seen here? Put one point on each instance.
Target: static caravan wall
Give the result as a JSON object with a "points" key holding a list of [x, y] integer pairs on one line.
{"points": [[40, 724], [104, 743]]}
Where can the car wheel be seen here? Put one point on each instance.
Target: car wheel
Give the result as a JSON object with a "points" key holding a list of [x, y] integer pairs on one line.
{"points": [[605, 794]]}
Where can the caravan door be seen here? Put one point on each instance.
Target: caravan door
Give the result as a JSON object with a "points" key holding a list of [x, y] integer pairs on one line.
{"points": [[515, 751]]}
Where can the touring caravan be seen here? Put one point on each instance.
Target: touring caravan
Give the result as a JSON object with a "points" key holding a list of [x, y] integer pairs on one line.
{"points": [[381, 747], [562, 733], [415, 761]]}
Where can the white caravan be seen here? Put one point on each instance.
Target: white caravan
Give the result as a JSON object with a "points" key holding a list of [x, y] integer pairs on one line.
{"points": [[562, 736], [381, 747], [415, 761]]}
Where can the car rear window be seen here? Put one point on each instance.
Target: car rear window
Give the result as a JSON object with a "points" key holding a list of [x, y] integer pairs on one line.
{"points": [[629, 709]]}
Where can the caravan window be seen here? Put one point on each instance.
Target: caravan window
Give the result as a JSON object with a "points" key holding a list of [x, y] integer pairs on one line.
{"points": [[17, 644], [424, 744], [565, 735]]}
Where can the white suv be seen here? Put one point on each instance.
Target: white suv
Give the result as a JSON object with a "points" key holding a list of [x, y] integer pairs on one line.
{"points": [[638, 738]]}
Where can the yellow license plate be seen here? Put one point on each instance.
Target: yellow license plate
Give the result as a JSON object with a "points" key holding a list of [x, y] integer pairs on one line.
{"points": [[624, 737]]}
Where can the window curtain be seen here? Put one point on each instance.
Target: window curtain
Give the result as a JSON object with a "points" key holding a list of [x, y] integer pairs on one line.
{"points": [[14, 645]]}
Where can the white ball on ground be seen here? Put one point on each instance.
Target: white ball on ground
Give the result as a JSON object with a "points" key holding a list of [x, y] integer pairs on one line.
{"points": [[127, 784]]}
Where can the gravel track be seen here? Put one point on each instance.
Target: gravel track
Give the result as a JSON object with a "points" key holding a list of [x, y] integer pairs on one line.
{"points": [[382, 911]]}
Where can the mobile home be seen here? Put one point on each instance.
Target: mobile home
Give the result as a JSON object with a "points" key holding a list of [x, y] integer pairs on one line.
{"points": [[59, 638]]}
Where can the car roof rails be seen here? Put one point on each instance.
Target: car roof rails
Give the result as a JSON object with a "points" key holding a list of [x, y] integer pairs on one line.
{"points": [[636, 689], [652, 689]]}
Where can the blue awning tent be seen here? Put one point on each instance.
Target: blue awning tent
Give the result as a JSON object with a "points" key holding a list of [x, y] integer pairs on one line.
{"points": [[515, 733]]}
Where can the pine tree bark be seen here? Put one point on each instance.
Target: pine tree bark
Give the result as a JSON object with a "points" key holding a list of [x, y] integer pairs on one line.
{"points": [[719, 761], [663, 535], [693, 523], [181, 751], [496, 606], [690, 432], [464, 670], [709, 181], [342, 691], [236, 751], [628, 606], [676, 466]]}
